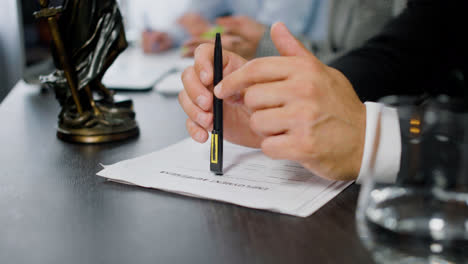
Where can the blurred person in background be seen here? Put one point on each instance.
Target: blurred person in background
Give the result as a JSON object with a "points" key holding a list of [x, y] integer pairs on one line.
{"points": [[244, 23], [339, 26], [350, 24]]}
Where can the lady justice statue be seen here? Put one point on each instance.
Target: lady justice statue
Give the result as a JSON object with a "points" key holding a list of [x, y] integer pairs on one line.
{"points": [[88, 35]]}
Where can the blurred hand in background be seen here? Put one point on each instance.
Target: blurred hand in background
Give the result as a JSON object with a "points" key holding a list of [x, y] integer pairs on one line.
{"points": [[155, 41], [241, 36], [194, 24]]}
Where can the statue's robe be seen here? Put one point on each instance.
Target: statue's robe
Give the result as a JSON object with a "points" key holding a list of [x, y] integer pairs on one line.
{"points": [[93, 35]]}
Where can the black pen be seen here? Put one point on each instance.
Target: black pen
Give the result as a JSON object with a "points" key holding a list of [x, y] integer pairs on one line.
{"points": [[216, 157]]}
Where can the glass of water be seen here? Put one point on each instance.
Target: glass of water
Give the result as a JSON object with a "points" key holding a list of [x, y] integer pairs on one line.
{"points": [[422, 216]]}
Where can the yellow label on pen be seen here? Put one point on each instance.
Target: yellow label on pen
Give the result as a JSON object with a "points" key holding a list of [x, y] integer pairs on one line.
{"points": [[214, 148]]}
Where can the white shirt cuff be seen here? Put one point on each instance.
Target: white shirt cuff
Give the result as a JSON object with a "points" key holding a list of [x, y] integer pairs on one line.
{"points": [[382, 147]]}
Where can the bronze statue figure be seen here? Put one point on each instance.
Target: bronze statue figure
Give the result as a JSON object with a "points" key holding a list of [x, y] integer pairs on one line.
{"points": [[88, 35]]}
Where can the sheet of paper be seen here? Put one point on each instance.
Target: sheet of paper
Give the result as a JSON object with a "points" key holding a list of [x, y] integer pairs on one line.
{"points": [[250, 178]]}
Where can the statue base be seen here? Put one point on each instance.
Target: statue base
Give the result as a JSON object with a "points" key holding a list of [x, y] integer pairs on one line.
{"points": [[105, 122], [83, 136]]}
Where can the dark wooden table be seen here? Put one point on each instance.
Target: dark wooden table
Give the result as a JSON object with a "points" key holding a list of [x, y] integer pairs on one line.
{"points": [[54, 209]]}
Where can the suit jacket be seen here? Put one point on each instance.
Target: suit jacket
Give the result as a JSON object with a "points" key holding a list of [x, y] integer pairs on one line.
{"points": [[422, 51], [353, 22]]}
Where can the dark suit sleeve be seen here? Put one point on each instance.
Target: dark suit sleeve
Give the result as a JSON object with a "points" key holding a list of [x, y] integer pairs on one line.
{"points": [[414, 53]]}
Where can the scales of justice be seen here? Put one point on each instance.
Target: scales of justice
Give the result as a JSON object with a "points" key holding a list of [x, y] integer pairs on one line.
{"points": [[88, 35]]}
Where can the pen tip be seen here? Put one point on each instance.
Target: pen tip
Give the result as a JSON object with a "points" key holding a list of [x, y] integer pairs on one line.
{"points": [[218, 38]]}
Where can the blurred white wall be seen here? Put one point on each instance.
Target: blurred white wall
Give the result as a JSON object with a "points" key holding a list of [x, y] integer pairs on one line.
{"points": [[158, 14], [11, 47]]}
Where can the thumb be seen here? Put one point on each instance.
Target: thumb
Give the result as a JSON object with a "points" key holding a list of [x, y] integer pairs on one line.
{"points": [[286, 43]]}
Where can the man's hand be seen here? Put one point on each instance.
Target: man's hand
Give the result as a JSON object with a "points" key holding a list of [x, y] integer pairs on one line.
{"points": [[156, 42], [241, 36], [197, 100], [294, 107]]}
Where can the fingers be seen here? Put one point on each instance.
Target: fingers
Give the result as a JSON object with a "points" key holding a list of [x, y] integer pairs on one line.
{"points": [[188, 51], [190, 17], [231, 25], [154, 41], [230, 42], [228, 21], [147, 42], [204, 63], [196, 101], [196, 132], [165, 42], [197, 115], [286, 43], [270, 122], [196, 90], [191, 45], [266, 95], [160, 36], [194, 23], [281, 147], [254, 72], [195, 42]]}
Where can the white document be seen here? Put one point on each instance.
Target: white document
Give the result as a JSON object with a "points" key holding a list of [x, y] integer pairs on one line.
{"points": [[250, 178]]}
